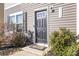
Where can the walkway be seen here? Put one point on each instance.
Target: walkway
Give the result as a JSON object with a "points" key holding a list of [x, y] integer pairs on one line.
{"points": [[26, 51]]}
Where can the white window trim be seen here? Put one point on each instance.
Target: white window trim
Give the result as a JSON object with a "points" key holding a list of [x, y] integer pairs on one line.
{"points": [[16, 13]]}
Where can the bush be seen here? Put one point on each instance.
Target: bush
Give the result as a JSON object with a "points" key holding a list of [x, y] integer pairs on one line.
{"points": [[63, 42], [73, 50], [1, 41], [1, 35], [18, 40]]}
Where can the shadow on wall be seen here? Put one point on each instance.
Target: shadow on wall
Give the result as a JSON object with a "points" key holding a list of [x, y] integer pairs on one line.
{"points": [[30, 36]]}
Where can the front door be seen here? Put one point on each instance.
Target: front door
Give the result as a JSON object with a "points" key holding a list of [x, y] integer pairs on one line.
{"points": [[41, 26]]}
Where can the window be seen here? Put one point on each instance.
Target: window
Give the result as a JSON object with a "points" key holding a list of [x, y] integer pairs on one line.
{"points": [[12, 23], [16, 22], [12, 19], [19, 22], [19, 19]]}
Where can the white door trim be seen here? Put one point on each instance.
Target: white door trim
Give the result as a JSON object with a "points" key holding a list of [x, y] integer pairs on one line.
{"points": [[38, 9]]}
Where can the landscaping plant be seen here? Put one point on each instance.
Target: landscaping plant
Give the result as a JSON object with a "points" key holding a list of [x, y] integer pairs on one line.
{"points": [[1, 35], [63, 43], [18, 40]]}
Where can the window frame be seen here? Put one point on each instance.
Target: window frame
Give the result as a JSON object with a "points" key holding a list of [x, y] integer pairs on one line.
{"points": [[15, 15]]}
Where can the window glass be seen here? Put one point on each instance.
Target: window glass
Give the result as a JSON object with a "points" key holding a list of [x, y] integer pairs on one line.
{"points": [[12, 23], [19, 19], [12, 19], [41, 14], [44, 13], [16, 23]]}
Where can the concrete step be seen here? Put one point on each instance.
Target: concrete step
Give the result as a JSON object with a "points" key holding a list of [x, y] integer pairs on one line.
{"points": [[33, 51]]}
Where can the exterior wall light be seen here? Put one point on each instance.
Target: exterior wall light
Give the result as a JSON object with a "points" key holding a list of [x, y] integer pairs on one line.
{"points": [[52, 9]]}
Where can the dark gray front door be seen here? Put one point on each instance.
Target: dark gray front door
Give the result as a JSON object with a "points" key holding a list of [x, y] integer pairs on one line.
{"points": [[41, 26]]}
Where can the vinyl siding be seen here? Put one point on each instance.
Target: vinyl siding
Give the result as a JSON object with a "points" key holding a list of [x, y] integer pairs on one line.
{"points": [[68, 19]]}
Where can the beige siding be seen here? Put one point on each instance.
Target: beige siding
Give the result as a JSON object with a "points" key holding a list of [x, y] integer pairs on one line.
{"points": [[68, 19]]}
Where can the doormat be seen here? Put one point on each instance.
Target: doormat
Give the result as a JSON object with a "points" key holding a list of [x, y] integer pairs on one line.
{"points": [[34, 46]]}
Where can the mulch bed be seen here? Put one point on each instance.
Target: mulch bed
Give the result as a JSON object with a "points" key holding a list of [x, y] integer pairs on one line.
{"points": [[6, 51]]}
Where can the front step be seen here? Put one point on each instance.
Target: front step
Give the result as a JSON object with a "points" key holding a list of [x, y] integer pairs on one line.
{"points": [[33, 51]]}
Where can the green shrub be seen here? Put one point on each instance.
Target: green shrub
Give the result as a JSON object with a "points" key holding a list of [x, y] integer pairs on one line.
{"points": [[63, 42], [73, 50]]}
